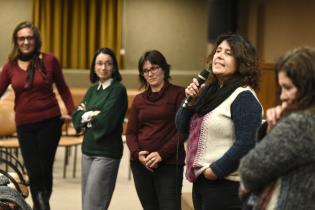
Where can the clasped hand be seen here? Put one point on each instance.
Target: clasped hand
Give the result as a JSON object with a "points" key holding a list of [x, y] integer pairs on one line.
{"points": [[149, 160]]}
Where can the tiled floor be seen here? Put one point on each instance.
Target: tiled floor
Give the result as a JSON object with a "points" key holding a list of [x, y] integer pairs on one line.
{"points": [[67, 192]]}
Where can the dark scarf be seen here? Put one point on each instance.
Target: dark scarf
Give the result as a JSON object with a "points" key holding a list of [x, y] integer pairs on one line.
{"points": [[27, 56], [36, 61], [155, 96], [213, 95]]}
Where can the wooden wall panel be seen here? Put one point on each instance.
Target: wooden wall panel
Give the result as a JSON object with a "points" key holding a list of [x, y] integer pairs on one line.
{"points": [[267, 91]]}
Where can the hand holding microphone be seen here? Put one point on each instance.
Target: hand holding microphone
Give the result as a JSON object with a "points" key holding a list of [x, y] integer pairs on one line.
{"points": [[192, 89]]}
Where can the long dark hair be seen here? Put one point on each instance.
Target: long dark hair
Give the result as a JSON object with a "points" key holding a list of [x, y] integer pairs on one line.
{"points": [[15, 53], [115, 73], [35, 57], [157, 58], [247, 73], [299, 65]]}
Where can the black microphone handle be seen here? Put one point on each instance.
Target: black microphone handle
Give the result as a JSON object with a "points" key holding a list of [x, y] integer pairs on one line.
{"points": [[202, 77], [187, 100]]}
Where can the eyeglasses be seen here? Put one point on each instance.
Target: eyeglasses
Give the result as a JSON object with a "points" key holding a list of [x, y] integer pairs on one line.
{"points": [[107, 64], [23, 38], [153, 70]]}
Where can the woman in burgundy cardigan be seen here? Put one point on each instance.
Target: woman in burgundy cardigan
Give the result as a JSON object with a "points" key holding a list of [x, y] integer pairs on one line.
{"points": [[155, 145], [32, 74]]}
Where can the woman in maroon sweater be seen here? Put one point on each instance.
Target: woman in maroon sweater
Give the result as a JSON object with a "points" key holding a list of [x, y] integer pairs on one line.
{"points": [[32, 74], [155, 145]]}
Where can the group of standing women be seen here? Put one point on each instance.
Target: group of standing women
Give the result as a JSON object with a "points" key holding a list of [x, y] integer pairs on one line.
{"points": [[219, 126]]}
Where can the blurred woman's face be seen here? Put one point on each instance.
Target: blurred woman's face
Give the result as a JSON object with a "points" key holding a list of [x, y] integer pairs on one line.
{"points": [[223, 62], [154, 75], [289, 91], [104, 67], [25, 40]]}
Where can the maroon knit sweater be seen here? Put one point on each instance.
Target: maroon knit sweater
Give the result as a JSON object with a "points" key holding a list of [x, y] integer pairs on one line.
{"points": [[38, 102], [151, 124]]}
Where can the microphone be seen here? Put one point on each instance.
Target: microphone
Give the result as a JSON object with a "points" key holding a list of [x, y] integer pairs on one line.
{"points": [[202, 77]]}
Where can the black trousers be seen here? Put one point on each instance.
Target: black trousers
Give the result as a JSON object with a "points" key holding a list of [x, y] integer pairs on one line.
{"points": [[158, 190], [38, 143], [215, 195]]}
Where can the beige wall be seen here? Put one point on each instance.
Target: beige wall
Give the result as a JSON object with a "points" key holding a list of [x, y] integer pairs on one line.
{"points": [[287, 24], [12, 12], [275, 26], [177, 28]]}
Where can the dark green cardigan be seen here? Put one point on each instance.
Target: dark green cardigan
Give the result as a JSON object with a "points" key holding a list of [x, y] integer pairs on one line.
{"points": [[104, 137]]}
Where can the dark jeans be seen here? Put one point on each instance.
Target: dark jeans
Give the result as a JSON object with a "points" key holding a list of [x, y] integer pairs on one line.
{"points": [[158, 190], [215, 195], [38, 143]]}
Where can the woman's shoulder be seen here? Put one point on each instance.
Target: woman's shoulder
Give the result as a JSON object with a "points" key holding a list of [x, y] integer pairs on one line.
{"points": [[244, 94], [242, 89], [48, 56], [93, 86], [90, 89], [50, 59], [10, 68], [7, 66], [118, 86], [140, 95], [177, 91], [296, 124], [248, 100], [301, 118]]}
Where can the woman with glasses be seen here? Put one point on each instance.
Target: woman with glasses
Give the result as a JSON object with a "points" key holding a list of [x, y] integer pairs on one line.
{"points": [[157, 153], [101, 115], [32, 75]]}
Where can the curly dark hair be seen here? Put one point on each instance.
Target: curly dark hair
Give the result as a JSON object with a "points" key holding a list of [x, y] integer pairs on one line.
{"points": [[157, 58], [299, 65], [115, 75], [246, 59]]}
